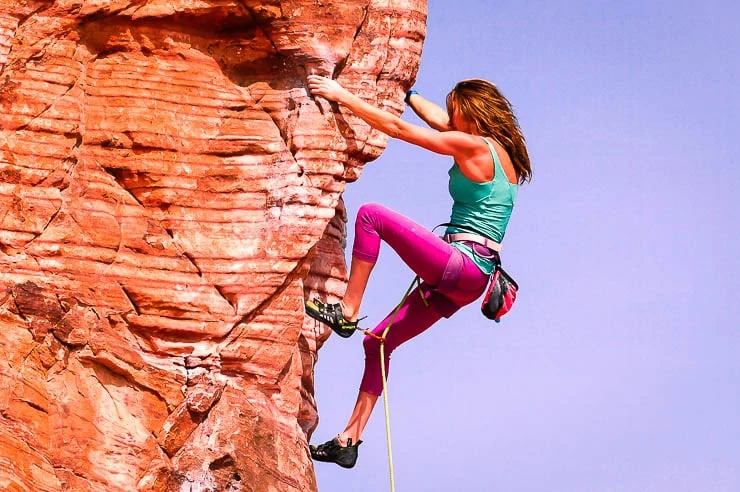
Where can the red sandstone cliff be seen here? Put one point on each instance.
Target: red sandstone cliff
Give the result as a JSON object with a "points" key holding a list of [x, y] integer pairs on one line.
{"points": [[168, 196]]}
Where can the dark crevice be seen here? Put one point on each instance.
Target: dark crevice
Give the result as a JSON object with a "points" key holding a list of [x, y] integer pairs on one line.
{"points": [[284, 371], [35, 406], [223, 294], [78, 139], [18, 310], [130, 299], [62, 342], [222, 462], [118, 175], [343, 62], [235, 153], [283, 134], [108, 52], [251, 13], [190, 258]]}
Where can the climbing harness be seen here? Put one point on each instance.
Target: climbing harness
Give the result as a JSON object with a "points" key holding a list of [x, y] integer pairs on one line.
{"points": [[502, 288], [471, 237]]}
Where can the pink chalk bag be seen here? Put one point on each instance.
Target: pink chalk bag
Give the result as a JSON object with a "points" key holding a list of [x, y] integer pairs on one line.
{"points": [[500, 295], [502, 288]]}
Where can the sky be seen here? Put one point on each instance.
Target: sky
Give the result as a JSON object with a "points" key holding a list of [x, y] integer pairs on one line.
{"points": [[619, 367]]}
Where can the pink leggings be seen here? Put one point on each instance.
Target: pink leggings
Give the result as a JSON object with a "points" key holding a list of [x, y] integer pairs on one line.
{"points": [[450, 281]]}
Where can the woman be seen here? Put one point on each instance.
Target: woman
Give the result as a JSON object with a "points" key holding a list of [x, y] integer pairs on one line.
{"points": [[481, 133]]}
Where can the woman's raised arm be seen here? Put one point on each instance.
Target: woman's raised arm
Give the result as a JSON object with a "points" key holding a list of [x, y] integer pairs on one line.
{"points": [[466, 149], [432, 114]]}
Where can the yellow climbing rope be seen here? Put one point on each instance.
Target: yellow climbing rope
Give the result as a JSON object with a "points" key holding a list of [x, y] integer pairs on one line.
{"points": [[381, 339]]}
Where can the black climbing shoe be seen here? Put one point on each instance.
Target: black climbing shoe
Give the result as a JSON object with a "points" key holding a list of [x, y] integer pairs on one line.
{"points": [[331, 315], [333, 452]]}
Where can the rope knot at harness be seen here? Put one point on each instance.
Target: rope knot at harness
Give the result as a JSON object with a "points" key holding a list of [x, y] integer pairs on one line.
{"points": [[373, 335], [381, 338]]}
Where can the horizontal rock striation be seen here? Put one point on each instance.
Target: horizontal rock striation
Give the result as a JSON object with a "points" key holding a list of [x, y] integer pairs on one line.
{"points": [[169, 194]]}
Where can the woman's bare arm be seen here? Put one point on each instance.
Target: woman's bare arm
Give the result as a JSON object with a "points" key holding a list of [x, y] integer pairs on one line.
{"points": [[432, 114], [470, 152]]}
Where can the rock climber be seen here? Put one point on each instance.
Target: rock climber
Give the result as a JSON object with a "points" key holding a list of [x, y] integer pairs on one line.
{"points": [[480, 131]]}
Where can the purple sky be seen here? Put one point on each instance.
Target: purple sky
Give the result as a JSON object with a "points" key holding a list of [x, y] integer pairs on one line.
{"points": [[619, 368]]}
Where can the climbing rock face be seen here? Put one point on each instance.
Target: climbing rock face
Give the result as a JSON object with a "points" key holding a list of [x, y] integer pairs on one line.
{"points": [[169, 194]]}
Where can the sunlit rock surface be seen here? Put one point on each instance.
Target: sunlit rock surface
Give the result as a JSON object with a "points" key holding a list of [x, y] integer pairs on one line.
{"points": [[168, 195]]}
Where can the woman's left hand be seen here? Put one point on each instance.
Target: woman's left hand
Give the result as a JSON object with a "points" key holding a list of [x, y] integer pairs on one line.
{"points": [[325, 87]]}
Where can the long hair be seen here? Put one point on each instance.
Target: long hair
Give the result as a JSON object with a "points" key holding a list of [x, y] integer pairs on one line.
{"points": [[482, 104]]}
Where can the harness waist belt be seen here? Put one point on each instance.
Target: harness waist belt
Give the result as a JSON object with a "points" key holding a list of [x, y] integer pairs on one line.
{"points": [[473, 238]]}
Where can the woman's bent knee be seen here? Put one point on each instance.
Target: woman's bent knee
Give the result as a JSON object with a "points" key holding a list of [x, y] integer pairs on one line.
{"points": [[371, 346], [369, 209]]}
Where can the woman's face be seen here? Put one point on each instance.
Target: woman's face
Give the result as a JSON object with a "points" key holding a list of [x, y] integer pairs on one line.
{"points": [[459, 122]]}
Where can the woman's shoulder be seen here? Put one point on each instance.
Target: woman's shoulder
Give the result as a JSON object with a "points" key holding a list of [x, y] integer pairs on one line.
{"points": [[500, 153]]}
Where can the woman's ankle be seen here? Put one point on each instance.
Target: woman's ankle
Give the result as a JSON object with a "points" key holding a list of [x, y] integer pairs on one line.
{"points": [[349, 313], [345, 440]]}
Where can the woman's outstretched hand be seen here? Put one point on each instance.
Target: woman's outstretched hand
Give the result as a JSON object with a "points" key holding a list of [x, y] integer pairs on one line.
{"points": [[325, 87]]}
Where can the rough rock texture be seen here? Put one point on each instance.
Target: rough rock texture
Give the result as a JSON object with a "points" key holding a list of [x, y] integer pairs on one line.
{"points": [[168, 195]]}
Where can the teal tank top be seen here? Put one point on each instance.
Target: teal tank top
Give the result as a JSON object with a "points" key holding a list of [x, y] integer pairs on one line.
{"points": [[485, 207]]}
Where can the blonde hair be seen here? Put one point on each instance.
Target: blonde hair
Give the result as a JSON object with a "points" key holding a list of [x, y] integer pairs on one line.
{"points": [[480, 102]]}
